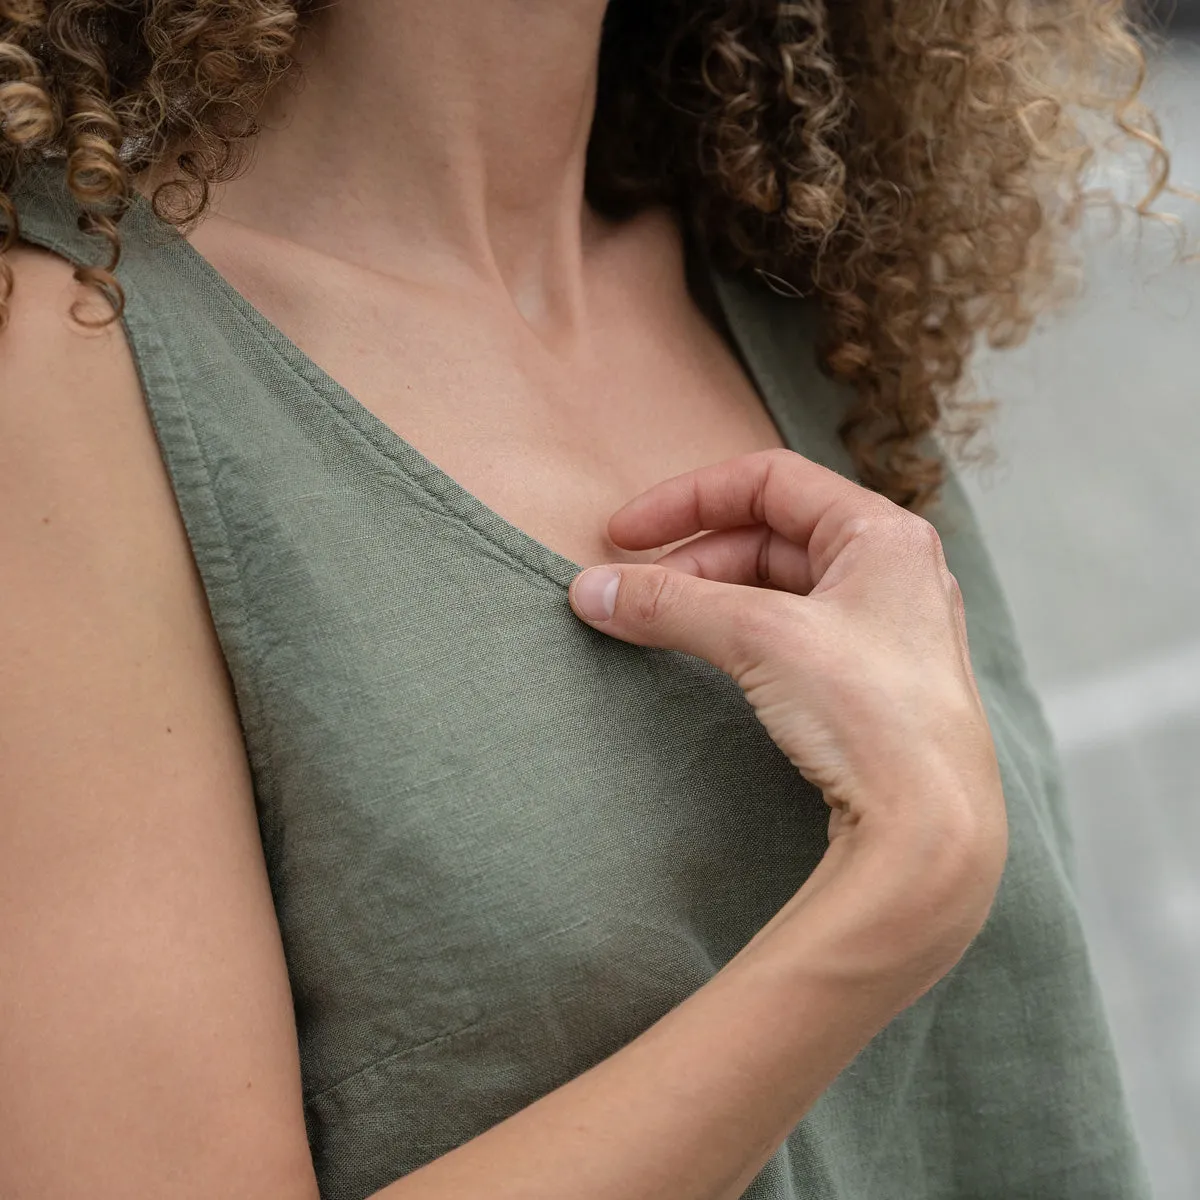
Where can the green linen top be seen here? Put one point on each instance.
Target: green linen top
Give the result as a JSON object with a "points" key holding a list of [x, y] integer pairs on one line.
{"points": [[502, 844]]}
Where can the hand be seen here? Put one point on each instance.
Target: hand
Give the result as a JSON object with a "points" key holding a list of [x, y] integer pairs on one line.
{"points": [[834, 611]]}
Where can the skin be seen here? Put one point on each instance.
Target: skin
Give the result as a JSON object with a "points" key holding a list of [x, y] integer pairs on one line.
{"points": [[552, 363], [147, 1042], [147, 1033]]}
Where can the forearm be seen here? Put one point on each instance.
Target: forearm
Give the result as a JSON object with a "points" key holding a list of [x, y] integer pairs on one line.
{"points": [[693, 1107]]}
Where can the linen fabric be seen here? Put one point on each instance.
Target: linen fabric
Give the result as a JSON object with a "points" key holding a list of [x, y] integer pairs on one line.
{"points": [[502, 844]]}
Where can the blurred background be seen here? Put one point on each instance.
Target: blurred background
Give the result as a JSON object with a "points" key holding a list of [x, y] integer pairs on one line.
{"points": [[1092, 510]]}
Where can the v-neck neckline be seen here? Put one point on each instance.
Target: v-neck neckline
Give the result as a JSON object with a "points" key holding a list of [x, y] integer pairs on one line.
{"points": [[449, 495]]}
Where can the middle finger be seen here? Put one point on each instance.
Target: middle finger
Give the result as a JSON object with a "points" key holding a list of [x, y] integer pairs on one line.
{"points": [[754, 555]]}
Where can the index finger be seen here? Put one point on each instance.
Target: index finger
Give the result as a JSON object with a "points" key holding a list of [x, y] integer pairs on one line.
{"points": [[779, 488]]}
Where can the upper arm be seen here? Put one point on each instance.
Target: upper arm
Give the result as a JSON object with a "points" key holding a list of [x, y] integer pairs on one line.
{"points": [[147, 1042]]}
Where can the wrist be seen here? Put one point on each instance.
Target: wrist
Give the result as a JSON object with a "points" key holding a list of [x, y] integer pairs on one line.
{"points": [[888, 910]]}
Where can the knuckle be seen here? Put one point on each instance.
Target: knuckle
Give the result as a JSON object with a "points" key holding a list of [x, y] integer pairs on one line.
{"points": [[957, 604], [655, 595], [781, 454], [927, 532], [870, 516], [923, 539], [877, 505], [873, 512]]}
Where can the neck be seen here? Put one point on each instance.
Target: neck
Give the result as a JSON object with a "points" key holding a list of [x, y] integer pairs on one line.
{"points": [[445, 144]]}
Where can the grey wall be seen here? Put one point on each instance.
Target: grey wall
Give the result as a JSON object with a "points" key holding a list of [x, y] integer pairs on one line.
{"points": [[1093, 514]]}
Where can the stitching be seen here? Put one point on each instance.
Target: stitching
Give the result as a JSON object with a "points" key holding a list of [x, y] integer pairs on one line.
{"points": [[39, 233], [316, 384], [265, 778], [395, 1056]]}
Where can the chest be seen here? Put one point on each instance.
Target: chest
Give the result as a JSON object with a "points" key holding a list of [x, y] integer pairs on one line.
{"points": [[553, 438], [555, 453]]}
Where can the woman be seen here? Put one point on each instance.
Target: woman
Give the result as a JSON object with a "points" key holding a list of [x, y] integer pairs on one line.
{"points": [[348, 847]]}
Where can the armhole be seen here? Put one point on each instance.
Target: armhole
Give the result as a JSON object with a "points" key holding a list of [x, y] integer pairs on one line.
{"points": [[47, 221]]}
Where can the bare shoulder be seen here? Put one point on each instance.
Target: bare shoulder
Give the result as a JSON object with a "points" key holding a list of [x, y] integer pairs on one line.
{"points": [[149, 1046], [86, 507], [63, 384], [45, 288]]}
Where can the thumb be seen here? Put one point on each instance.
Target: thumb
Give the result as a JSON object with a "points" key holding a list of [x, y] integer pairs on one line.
{"points": [[726, 624]]}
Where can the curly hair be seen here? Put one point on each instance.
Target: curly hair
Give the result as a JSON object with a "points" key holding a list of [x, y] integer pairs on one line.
{"points": [[913, 165]]}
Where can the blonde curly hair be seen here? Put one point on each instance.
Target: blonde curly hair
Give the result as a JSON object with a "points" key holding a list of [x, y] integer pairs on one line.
{"points": [[912, 164]]}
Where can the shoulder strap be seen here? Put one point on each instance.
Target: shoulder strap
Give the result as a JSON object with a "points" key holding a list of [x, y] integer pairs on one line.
{"points": [[48, 216]]}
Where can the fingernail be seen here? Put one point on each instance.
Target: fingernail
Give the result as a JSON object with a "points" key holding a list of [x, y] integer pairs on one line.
{"points": [[595, 593]]}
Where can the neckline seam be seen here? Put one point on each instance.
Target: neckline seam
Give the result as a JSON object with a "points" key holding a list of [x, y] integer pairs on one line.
{"points": [[451, 497], [438, 496], [405, 462]]}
